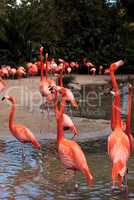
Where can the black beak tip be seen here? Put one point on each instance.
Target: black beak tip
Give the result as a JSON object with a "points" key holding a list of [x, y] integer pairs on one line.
{"points": [[51, 89], [3, 98]]}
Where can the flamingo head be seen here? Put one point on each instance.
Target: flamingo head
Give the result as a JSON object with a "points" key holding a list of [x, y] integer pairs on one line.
{"points": [[130, 87], [9, 98], [53, 90], [46, 55], [114, 66], [41, 49]]}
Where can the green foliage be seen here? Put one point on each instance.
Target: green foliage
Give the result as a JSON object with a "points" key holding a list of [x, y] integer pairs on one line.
{"points": [[68, 79], [71, 29]]}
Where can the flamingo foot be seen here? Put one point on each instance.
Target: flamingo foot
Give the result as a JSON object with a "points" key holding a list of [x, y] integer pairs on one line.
{"points": [[126, 181], [113, 189], [126, 189]]}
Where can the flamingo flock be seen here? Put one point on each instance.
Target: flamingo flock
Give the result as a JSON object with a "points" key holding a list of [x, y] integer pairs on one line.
{"points": [[120, 143]]}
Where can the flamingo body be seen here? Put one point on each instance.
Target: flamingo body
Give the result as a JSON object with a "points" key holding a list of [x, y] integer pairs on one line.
{"points": [[119, 151], [22, 133], [72, 157]]}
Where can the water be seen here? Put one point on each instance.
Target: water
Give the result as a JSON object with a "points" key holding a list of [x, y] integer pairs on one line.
{"points": [[42, 177]]}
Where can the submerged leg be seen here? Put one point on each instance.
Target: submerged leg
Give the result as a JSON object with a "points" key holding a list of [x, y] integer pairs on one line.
{"points": [[76, 184], [126, 181], [113, 187], [23, 154]]}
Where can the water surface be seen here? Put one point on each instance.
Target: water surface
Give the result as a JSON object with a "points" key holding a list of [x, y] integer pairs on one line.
{"points": [[42, 177]]}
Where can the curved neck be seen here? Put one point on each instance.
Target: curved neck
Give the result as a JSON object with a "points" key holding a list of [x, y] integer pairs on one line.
{"points": [[41, 67], [128, 121], [46, 66], [11, 116]]}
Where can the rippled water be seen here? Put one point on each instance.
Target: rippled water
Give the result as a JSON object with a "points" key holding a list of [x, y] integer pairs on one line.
{"points": [[42, 177]]}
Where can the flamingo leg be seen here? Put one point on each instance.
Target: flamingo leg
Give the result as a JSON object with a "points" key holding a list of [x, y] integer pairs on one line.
{"points": [[76, 184], [48, 115], [126, 181], [23, 154], [42, 110], [113, 187]]}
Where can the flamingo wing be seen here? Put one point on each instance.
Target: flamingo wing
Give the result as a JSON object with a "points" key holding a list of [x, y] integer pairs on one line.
{"points": [[24, 135], [71, 154]]}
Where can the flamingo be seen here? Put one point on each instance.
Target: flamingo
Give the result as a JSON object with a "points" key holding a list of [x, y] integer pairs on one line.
{"points": [[100, 69], [88, 64], [4, 72], [2, 84], [93, 70], [70, 153], [128, 121], [20, 72], [45, 83], [12, 72], [32, 69], [22, 133], [118, 142]]}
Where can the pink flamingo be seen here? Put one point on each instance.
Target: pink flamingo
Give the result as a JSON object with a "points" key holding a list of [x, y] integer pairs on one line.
{"points": [[22, 133], [2, 84], [118, 143], [45, 83], [100, 69], [128, 121], [70, 153], [93, 70], [12, 72]]}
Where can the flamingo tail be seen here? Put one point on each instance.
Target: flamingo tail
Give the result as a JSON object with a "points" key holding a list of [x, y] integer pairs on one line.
{"points": [[88, 176]]}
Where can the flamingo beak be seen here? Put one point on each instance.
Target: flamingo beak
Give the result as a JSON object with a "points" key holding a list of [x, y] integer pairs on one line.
{"points": [[51, 89], [3, 98]]}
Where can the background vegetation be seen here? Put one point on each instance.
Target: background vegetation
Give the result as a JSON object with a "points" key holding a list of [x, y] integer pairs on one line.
{"points": [[73, 29]]}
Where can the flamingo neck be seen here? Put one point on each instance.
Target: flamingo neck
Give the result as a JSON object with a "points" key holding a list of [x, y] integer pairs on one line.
{"points": [[116, 103], [114, 82], [61, 80], [11, 116], [128, 121], [117, 112], [60, 131], [113, 115], [41, 67], [59, 118], [46, 66]]}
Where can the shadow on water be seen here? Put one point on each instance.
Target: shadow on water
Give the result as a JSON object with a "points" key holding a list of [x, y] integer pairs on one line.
{"points": [[42, 177]]}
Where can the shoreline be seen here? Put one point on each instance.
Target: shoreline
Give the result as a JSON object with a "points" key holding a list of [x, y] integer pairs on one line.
{"points": [[30, 115]]}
